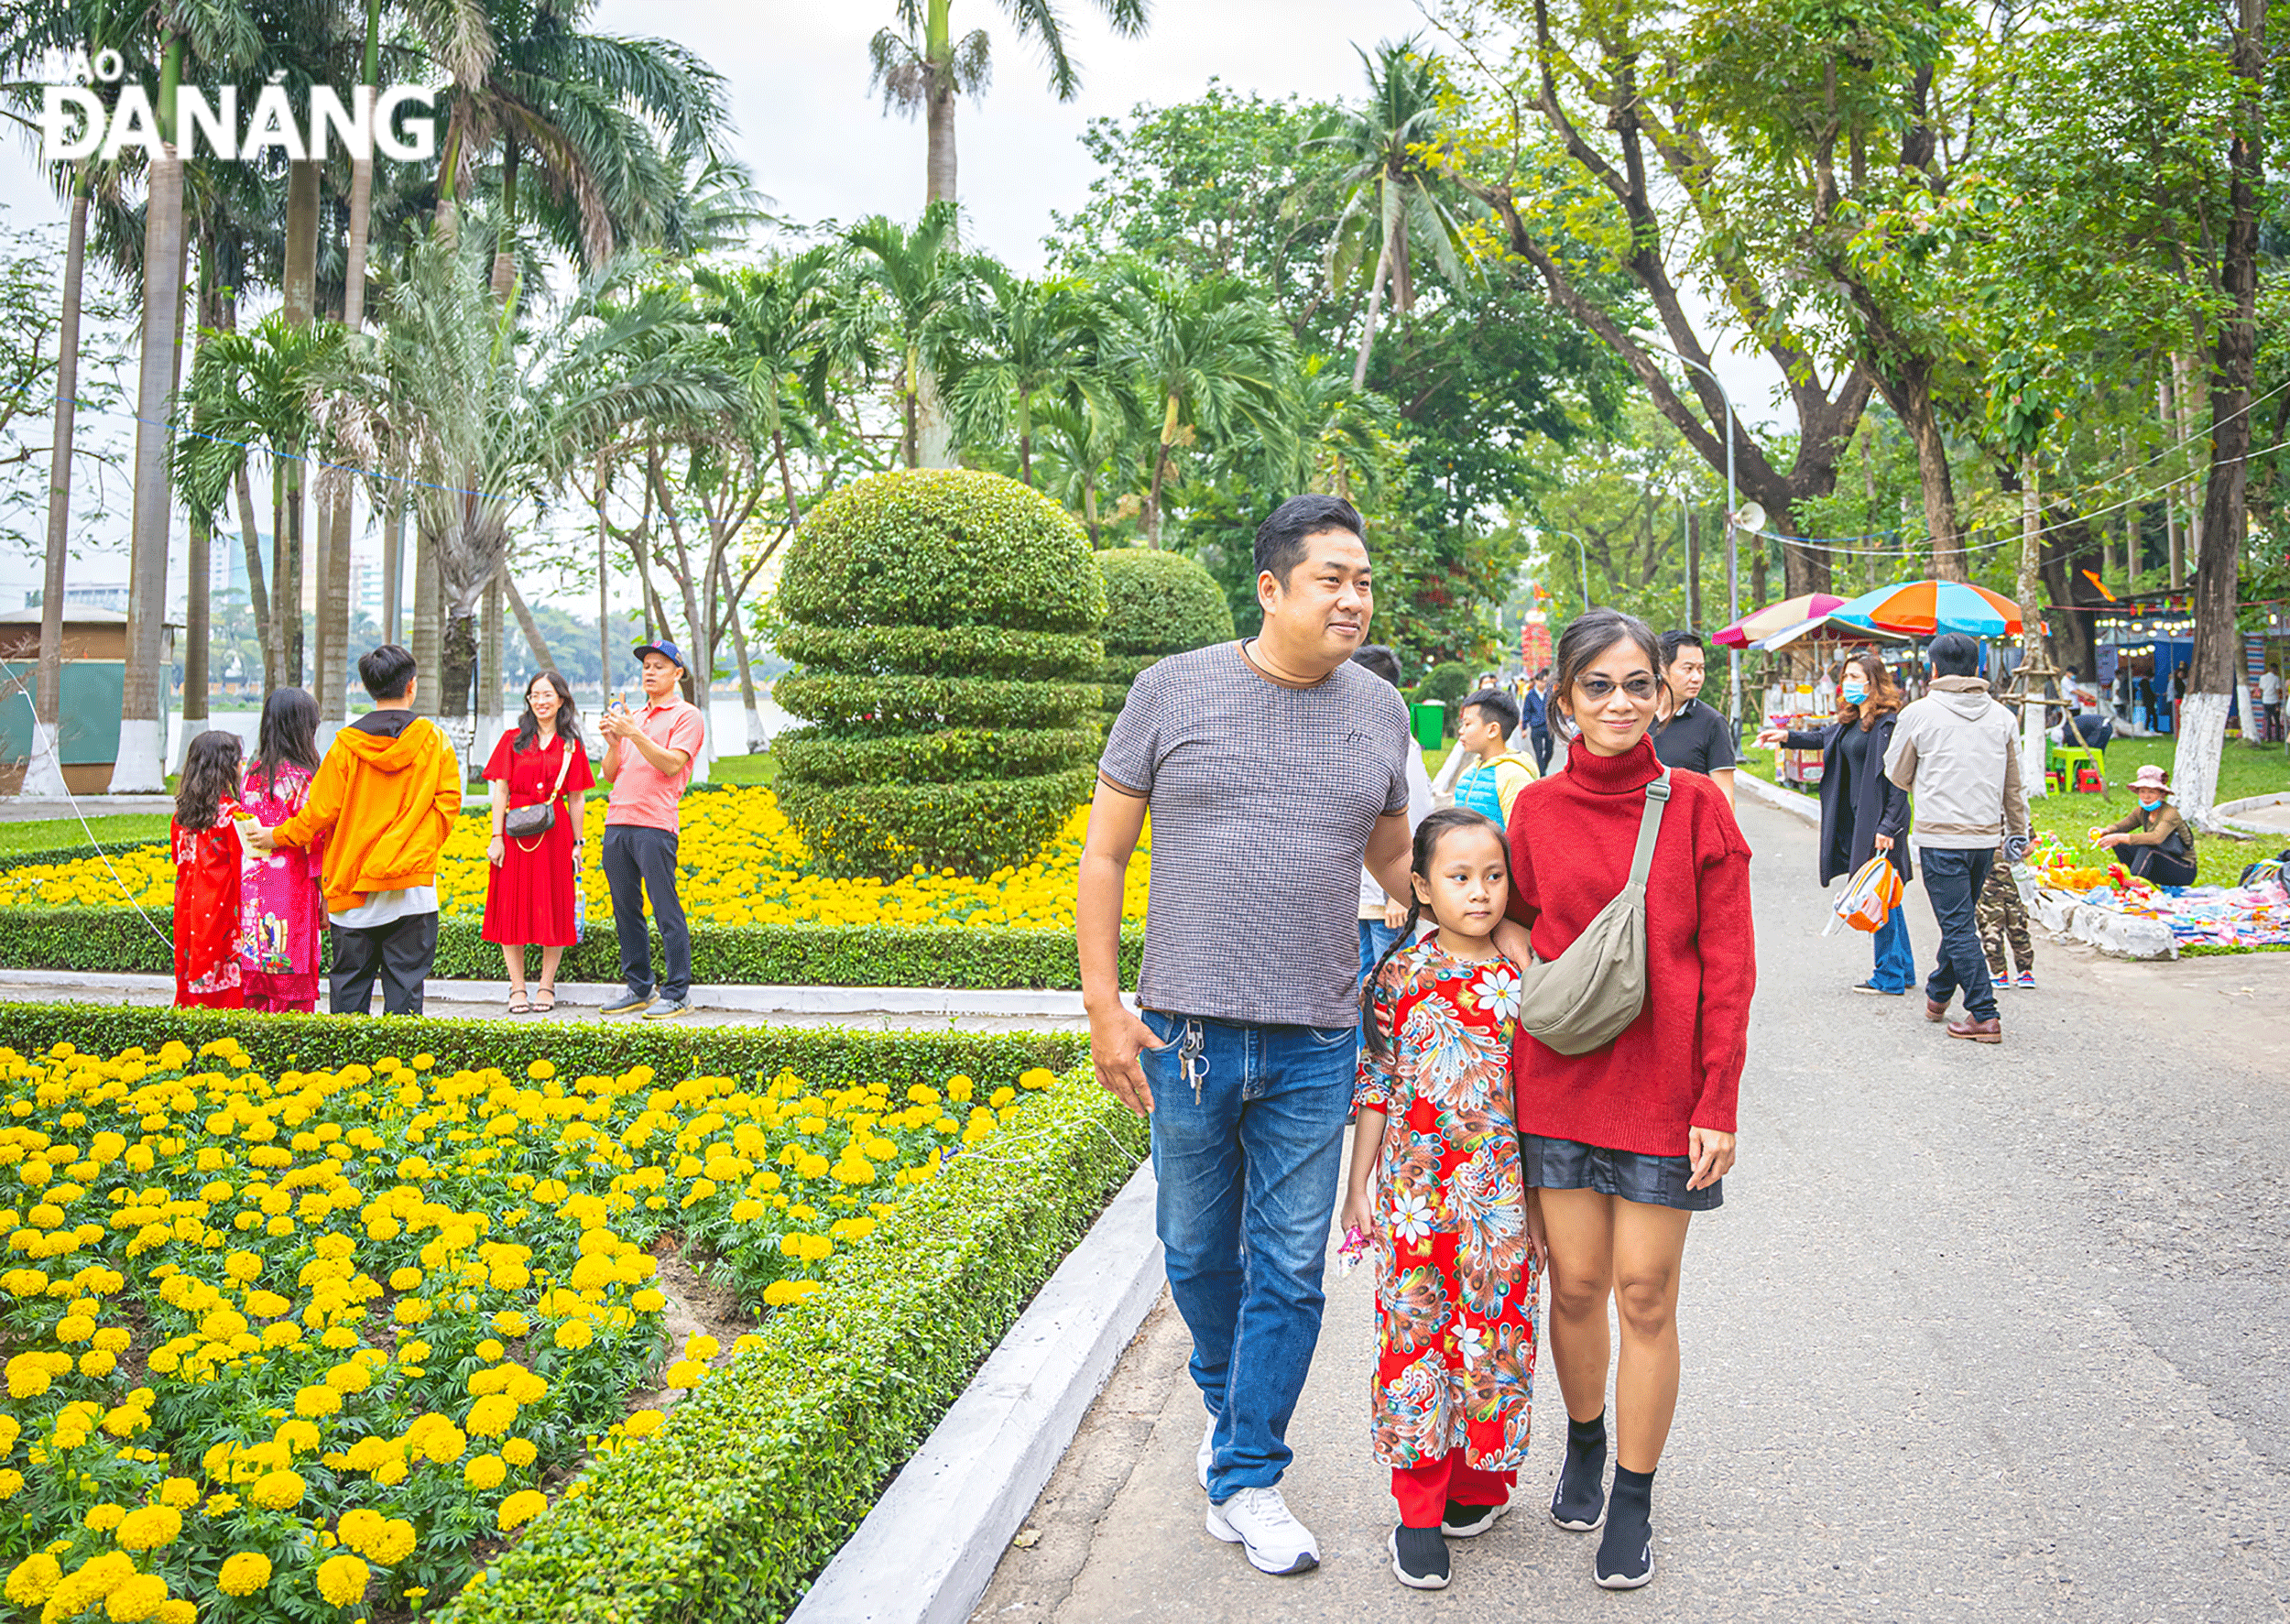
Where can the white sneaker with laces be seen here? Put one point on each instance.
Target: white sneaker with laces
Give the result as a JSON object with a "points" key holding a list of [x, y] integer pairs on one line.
{"points": [[1258, 1520], [1205, 1456]]}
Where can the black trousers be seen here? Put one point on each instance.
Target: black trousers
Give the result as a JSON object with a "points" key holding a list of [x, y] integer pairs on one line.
{"points": [[639, 863], [1540, 737], [400, 952], [1953, 881]]}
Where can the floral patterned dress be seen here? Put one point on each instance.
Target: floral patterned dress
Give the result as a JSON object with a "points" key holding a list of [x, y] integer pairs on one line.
{"points": [[1454, 1292], [206, 913], [282, 911]]}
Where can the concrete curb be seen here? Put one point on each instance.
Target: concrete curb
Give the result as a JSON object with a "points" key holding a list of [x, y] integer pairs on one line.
{"points": [[759, 1000], [2124, 935], [928, 1550], [1772, 794]]}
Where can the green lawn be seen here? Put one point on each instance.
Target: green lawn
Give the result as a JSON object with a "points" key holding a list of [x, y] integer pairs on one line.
{"points": [[2244, 770], [742, 770], [65, 837]]}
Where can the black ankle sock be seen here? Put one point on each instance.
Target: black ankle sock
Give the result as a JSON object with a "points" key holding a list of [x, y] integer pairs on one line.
{"points": [[1581, 1494], [1628, 1523]]}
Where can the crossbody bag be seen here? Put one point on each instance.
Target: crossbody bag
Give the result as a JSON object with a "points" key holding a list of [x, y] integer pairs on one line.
{"points": [[1584, 997]]}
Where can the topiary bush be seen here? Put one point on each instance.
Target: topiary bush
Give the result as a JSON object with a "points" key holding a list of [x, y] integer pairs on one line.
{"points": [[947, 625], [1157, 604]]}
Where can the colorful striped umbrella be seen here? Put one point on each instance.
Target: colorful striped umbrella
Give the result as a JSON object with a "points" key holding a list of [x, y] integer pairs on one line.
{"points": [[1775, 617], [1926, 608]]}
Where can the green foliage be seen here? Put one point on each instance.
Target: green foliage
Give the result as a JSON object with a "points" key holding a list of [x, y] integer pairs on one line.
{"points": [[762, 1474], [100, 940], [1447, 683], [1155, 604], [894, 582]]}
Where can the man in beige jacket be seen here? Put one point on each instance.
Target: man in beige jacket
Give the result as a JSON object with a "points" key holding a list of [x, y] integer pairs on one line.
{"points": [[1957, 751]]}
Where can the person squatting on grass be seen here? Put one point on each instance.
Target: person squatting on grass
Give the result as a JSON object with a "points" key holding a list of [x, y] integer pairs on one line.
{"points": [[1436, 1187], [1627, 1142], [1274, 769]]}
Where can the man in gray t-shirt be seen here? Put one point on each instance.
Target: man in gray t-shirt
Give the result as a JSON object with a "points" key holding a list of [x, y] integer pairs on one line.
{"points": [[1273, 771]]}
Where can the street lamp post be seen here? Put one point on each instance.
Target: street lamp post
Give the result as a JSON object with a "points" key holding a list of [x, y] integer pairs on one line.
{"points": [[1733, 560]]}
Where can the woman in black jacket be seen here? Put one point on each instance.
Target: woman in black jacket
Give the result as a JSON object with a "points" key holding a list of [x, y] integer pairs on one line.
{"points": [[1862, 811]]}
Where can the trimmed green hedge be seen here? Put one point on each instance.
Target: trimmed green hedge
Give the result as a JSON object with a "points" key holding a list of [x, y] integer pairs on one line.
{"points": [[825, 1056], [1157, 604], [934, 610], [761, 1475], [115, 939], [954, 753]]}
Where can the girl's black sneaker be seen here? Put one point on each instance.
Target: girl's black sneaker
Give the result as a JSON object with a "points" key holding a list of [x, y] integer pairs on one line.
{"points": [[1419, 1557], [1461, 1522]]}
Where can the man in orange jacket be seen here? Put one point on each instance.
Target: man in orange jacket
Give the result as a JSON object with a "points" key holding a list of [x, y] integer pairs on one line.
{"points": [[383, 802]]}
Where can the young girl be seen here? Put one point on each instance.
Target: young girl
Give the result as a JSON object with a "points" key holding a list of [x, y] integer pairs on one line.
{"points": [[1459, 1238], [206, 875], [282, 913]]}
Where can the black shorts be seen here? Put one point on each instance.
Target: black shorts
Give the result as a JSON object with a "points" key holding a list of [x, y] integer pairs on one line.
{"points": [[1653, 1180]]}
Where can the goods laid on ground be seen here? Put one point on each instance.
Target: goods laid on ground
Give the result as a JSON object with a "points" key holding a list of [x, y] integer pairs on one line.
{"points": [[2197, 916]]}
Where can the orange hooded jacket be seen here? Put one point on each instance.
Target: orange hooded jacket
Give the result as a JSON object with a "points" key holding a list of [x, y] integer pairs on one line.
{"points": [[383, 802]]}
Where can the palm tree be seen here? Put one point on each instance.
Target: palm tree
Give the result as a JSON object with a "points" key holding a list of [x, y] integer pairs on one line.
{"points": [[1209, 357], [1076, 443], [901, 285], [921, 64], [1395, 196], [219, 34], [1019, 345], [772, 321]]}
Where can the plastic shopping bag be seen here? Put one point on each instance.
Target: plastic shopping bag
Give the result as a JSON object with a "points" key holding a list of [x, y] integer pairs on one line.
{"points": [[1869, 898]]}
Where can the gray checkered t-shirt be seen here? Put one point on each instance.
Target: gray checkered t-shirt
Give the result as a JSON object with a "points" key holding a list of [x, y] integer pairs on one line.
{"points": [[1262, 799]]}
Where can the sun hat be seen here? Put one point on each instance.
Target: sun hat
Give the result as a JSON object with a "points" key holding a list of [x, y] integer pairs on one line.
{"points": [[2151, 777], [665, 650]]}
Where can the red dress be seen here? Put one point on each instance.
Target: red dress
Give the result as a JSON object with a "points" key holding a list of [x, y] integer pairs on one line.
{"points": [[206, 913], [533, 894]]}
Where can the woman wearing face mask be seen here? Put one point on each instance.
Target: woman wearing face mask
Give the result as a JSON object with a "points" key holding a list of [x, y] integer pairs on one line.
{"points": [[2154, 843], [1862, 811], [1627, 1142]]}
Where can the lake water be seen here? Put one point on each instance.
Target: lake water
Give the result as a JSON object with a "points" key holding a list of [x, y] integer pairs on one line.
{"points": [[727, 723]]}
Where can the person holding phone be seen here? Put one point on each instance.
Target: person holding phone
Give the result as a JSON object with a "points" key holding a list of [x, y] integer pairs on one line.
{"points": [[647, 762]]}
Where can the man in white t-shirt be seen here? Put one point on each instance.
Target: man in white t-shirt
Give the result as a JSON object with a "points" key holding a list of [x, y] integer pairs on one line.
{"points": [[2270, 701]]}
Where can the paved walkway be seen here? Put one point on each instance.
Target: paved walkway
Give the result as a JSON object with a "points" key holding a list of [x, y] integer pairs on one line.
{"points": [[1981, 1333]]}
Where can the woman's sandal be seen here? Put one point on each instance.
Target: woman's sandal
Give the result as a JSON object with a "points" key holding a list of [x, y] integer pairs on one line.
{"points": [[547, 992], [519, 1004]]}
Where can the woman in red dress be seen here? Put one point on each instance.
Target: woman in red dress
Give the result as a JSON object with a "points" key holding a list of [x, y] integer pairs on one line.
{"points": [[207, 854], [533, 894]]}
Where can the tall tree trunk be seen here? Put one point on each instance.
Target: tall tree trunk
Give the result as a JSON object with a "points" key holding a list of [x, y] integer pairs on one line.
{"points": [[604, 595], [257, 593], [1693, 568], [394, 568], [1160, 470], [458, 669], [1915, 406], [526, 624], [299, 300], [757, 742], [938, 110], [2185, 392], [141, 768], [1375, 303], [2215, 673], [492, 629], [428, 647], [334, 601], [198, 568], [43, 774], [2032, 711], [503, 281]]}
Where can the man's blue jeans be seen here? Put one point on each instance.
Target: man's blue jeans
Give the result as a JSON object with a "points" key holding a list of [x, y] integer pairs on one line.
{"points": [[1374, 937], [1248, 1139], [1896, 961], [1952, 879]]}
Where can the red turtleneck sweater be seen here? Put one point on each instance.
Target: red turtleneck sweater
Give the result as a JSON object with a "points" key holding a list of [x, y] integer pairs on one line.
{"points": [[1678, 1065]]}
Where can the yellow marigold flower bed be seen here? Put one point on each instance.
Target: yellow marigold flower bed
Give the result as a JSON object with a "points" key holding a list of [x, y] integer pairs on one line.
{"points": [[350, 1320], [738, 863]]}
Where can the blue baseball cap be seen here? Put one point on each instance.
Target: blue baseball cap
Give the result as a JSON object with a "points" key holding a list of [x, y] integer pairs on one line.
{"points": [[665, 650]]}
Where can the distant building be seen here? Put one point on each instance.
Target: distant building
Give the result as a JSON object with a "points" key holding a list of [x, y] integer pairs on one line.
{"points": [[82, 597]]}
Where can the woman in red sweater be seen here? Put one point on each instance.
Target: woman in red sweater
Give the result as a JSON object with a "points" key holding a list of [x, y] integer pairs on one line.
{"points": [[1628, 1141]]}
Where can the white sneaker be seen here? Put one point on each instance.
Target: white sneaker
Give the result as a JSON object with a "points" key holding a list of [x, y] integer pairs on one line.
{"points": [[1205, 1456], [1258, 1521]]}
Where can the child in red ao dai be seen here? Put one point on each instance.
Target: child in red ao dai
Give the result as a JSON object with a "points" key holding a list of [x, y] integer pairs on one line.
{"points": [[1435, 1181]]}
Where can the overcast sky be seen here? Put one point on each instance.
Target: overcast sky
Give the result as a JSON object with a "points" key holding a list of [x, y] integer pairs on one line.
{"points": [[821, 148]]}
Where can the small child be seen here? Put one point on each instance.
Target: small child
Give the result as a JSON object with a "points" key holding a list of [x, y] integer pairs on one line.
{"points": [[1489, 717], [1459, 1238], [207, 854], [2003, 916]]}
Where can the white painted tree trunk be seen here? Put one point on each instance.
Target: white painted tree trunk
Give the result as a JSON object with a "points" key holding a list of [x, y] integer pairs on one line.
{"points": [[2202, 736], [2033, 745], [141, 769], [43, 774]]}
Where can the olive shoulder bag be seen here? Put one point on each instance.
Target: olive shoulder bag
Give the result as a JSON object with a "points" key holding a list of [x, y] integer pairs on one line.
{"points": [[1584, 997]]}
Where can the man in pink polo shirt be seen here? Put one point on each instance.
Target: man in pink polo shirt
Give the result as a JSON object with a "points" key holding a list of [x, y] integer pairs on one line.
{"points": [[647, 762]]}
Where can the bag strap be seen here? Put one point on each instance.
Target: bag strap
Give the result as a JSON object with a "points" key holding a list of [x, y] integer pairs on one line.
{"points": [[563, 767], [1649, 827]]}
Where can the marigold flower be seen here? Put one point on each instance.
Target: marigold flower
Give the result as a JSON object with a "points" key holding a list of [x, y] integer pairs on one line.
{"points": [[136, 1598], [342, 1580], [643, 1424], [146, 1527], [482, 1472], [275, 1491], [34, 1579], [243, 1573], [520, 1453], [520, 1509], [104, 1517]]}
